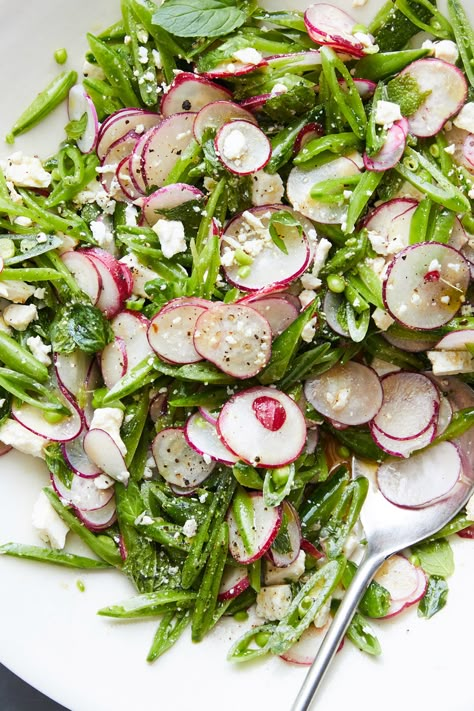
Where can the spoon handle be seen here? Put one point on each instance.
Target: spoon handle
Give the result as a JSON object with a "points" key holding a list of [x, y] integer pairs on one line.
{"points": [[337, 630]]}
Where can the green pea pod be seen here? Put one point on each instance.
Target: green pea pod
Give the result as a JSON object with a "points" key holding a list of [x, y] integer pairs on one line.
{"points": [[392, 29], [419, 221], [63, 193], [45, 102], [253, 644], [277, 484], [436, 25], [336, 530], [458, 523], [356, 300], [48, 555], [179, 509], [190, 158], [367, 284], [134, 425], [144, 71], [461, 421], [284, 141], [140, 375], [209, 589], [306, 604], [442, 226], [347, 257], [116, 69], [20, 359], [362, 635], [28, 390], [360, 442], [243, 512], [149, 604], [311, 363], [247, 476], [357, 324], [464, 35], [362, 193], [255, 575], [318, 506], [169, 631], [339, 143], [384, 64], [104, 97], [348, 99], [164, 42], [376, 599]]}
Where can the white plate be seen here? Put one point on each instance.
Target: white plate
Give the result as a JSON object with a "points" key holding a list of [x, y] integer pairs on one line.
{"points": [[49, 632]]}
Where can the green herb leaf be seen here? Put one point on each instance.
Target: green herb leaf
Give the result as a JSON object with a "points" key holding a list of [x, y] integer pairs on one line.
{"points": [[435, 597], [435, 557], [195, 18], [57, 464], [80, 326], [405, 91], [75, 129]]}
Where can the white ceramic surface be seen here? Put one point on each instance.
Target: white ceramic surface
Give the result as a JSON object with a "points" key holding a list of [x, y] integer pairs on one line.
{"points": [[49, 632]]}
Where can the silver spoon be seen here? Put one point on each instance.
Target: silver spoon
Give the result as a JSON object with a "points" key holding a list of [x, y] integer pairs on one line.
{"points": [[389, 529]]}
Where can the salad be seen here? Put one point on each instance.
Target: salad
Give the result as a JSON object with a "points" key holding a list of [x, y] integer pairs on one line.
{"points": [[247, 267]]}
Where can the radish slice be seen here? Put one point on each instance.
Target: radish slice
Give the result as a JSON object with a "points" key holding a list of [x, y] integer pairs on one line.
{"points": [[115, 283], [158, 406], [414, 343], [85, 273], [172, 331], [311, 549], [267, 520], [328, 25], [104, 453], [290, 517], [468, 149], [331, 305], [350, 394], [114, 361], [410, 405], [216, 114], [301, 180], [77, 459], [164, 146], [33, 419], [457, 340], [132, 327], [263, 426], [404, 447], [391, 223], [100, 519], [202, 436], [135, 167], [92, 382], [83, 493], [167, 198], [209, 415], [271, 268], [447, 89], [117, 125], [307, 133], [405, 583], [124, 180], [177, 462], [119, 151], [71, 370], [425, 285], [422, 479], [445, 415], [234, 337], [189, 92], [80, 103], [306, 648], [277, 310], [242, 147], [234, 581], [226, 70], [391, 151]]}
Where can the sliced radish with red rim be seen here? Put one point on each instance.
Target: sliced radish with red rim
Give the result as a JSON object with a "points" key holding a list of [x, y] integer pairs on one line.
{"points": [[405, 583], [307, 133], [425, 285], [71, 370], [328, 25], [457, 340], [445, 415], [32, 418], [115, 281], [77, 459], [136, 164], [242, 147], [234, 337], [119, 151], [391, 151], [209, 415], [177, 462], [85, 273], [306, 648], [279, 311], [263, 426], [104, 453], [100, 519], [404, 447], [114, 361], [424, 478], [80, 104], [117, 125], [158, 406], [83, 493], [189, 92], [164, 145], [266, 523], [168, 197], [291, 521], [410, 405], [350, 394], [235, 580], [124, 179], [233, 68], [216, 114], [171, 333], [202, 436], [132, 327]]}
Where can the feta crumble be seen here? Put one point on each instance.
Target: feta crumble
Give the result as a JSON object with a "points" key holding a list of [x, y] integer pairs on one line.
{"points": [[19, 316], [49, 525], [39, 349], [171, 236]]}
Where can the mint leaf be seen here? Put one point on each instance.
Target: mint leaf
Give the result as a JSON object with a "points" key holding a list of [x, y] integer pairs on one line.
{"points": [[199, 18], [287, 219], [435, 597], [435, 557], [74, 129], [405, 91]]}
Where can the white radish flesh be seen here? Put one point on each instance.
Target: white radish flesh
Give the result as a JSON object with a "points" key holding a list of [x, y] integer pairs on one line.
{"points": [[171, 333], [405, 583], [404, 447], [333, 304], [445, 415], [114, 361], [216, 114], [391, 151], [83, 493], [71, 370], [242, 147], [263, 426], [266, 523], [307, 133], [124, 180], [277, 310], [119, 151], [350, 394], [189, 92], [447, 89], [410, 405], [77, 459], [115, 283], [167, 198], [164, 147], [270, 267], [100, 519], [234, 337], [306, 648], [457, 340], [234, 581], [425, 285], [80, 103], [392, 221], [132, 327], [104, 453], [33, 419], [283, 560], [301, 180], [328, 25], [177, 462], [424, 478], [85, 273], [202, 436], [136, 164], [122, 122], [416, 343]]}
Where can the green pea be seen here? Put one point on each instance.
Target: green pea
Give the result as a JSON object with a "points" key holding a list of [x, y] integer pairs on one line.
{"points": [[280, 476], [336, 283], [53, 417], [261, 638], [343, 452], [244, 272], [304, 605], [241, 616], [434, 150], [410, 163], [242, 258], [80, 586], [60, 55], [7, 248]]}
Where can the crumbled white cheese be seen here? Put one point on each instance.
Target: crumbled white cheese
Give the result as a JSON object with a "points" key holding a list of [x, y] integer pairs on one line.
{"points": [[49, 525], [249, 55], [266, 189], [143, 520], [367, 42], [25, 171], [445, 50], [142, 55], [382, 319], [434, 266], [190, 528], [19, 316], [339, 400], [103, 235], [451, 149], [310, 282], [142, 35], [110, 420], [17, 436], [290, 574], [385, 244], [140, 274], [171, 236], [465, 118], [131, 213], [450, 362], [386, 112], [321, 254], [39, 349], [309, 331], [235, 145], [306, 297], [273, 602], [67, 244], [156, 58]]}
